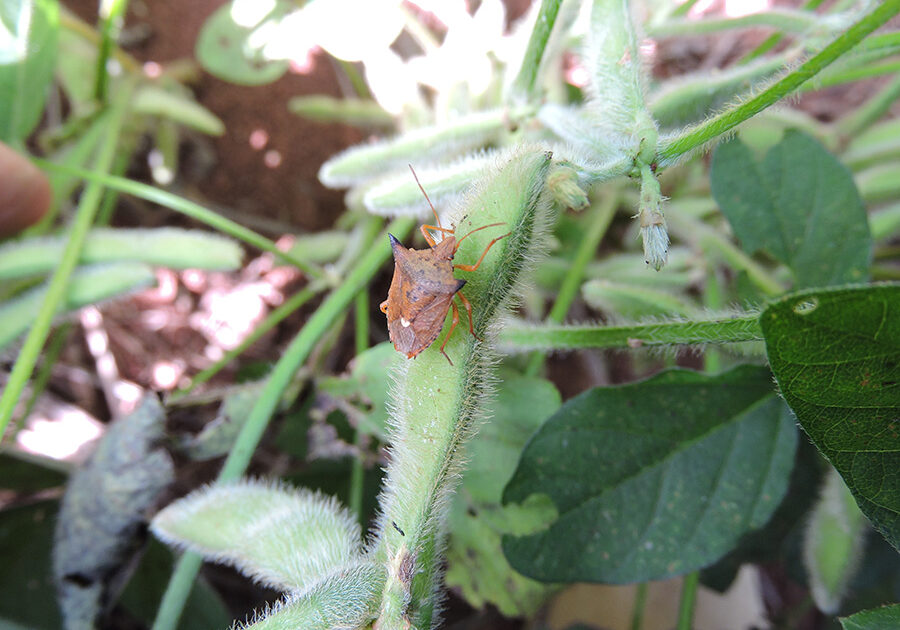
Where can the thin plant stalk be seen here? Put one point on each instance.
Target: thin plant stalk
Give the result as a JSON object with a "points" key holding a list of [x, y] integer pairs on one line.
{"points": [[519, 337], [58, 285], [602, 216], [278, 380], [187, 208], [51, 353], [112, 12], [672, 149], [524, 85], [640, 603], [713, 300], [688, 600]]}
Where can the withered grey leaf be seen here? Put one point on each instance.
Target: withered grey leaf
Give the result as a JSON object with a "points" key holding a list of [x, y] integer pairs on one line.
{"points": [[102, 521]]}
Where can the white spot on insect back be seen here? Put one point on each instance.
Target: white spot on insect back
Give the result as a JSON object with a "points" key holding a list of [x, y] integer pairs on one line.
{"points": [[404, 322]]}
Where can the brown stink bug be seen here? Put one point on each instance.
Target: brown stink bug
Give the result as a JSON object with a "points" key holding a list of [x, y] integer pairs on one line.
{"points": [[423, 288]]}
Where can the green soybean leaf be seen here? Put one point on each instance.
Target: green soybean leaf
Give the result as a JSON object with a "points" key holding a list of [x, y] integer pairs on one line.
{"points": [[653, 479], [836, 357], [28, 40], [224, 47], [884, 618], [800, 205]]}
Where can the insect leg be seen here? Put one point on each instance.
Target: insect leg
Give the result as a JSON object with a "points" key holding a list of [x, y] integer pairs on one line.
{"points": [[468, 306], [452, 326], [428, 237], [483, 254]]}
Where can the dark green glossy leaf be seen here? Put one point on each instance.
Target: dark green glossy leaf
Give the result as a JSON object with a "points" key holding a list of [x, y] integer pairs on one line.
{"points": [[800, 205], [836, 357], [653, 479], [884, 618], [28, 40], [26, 582], [224, 48], [26, 473]]}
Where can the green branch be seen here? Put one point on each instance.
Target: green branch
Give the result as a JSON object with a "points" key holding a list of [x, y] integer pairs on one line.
{"points": [[674, 148], [524, 84], [519, 337]]}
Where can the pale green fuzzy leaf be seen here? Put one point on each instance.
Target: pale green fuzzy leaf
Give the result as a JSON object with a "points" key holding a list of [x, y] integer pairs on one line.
{"points": [[320, 247], [634, 301], [832, 547], [360, 163], [285, 538], [347, 598], [175, 248], [691, 98], [155, 101], [400, 195], [87, 285], [76, 67], [875, 145], [103, 511], [349, 111]]}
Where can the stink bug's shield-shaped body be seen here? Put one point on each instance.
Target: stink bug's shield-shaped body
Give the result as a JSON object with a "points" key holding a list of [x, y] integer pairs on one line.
{"points": [[421, 293], [423, 288]]}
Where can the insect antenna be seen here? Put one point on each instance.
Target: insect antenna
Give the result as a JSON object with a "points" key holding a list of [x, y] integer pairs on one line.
{"points": [[416, 177]]}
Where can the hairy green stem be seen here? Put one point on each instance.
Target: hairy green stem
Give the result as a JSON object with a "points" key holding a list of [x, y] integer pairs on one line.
{"points": [[436, 404], [700, 134], [602, 216], [522, 337], [688, 599], [187, 208], [278, 380], [524, 85], [56, 291]]}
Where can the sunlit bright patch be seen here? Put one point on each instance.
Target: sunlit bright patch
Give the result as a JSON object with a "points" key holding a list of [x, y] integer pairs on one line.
{"points": [[249, 13], [59, 434]]}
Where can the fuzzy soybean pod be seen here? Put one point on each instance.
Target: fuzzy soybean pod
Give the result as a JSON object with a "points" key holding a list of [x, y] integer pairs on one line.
{"points": [[436, 406]]}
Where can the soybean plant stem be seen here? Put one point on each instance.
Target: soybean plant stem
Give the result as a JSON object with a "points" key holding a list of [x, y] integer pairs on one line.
{"points": [[688, 599]]}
